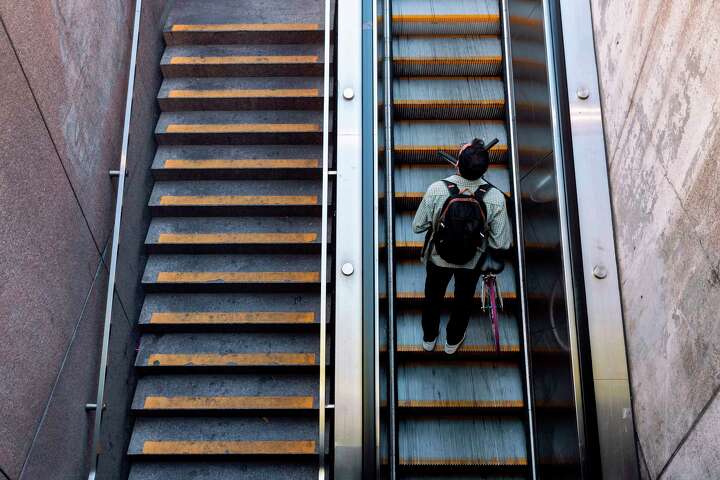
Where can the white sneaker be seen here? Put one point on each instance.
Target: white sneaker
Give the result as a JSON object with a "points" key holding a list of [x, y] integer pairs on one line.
{"points": [[429, 346], [450, 349]]}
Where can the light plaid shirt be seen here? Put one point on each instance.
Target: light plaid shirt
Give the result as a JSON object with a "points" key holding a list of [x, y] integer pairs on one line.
{"points": [[500, 232]]}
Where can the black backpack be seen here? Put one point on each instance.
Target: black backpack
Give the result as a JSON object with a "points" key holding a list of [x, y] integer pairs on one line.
{"points": [[461, 226]]}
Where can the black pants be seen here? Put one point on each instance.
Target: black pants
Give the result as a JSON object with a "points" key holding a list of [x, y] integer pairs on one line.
{"points": [[436, 283]]}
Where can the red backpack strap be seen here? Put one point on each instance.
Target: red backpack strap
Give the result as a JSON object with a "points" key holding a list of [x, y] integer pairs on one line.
{"points": [[452, 188]]}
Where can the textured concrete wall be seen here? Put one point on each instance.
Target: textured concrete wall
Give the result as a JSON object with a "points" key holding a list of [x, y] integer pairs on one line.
{"points": [[63, 80], [659, 65]]}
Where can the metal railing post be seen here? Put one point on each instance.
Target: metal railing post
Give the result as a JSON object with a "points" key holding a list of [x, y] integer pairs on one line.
{"points": [[115, 244]]}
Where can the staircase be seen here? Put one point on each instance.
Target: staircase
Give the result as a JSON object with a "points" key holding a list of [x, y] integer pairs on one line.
{"points": [[229, 354]]}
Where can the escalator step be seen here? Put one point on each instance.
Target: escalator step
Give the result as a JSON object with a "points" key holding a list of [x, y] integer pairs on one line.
{"points": [[446, 385], [412, 17], [243, 61], [449, 98], [447, 55], [462, 441], [221, 162]]}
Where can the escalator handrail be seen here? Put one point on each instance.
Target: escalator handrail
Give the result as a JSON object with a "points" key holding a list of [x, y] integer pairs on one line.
{"points": [[100, 401]]}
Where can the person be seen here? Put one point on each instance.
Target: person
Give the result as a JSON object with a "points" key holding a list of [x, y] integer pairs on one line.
{"points": [[472, 164]]}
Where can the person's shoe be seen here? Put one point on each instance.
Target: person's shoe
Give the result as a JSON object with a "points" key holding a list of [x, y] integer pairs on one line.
{"points": [[451, 349], [429, 346]]}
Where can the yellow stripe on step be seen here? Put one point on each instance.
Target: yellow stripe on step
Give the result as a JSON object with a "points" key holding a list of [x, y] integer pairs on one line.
{"points": [[246, 93], [230, 359], [246, 27], [219, 163], [244, 128], [230, 238], [218, 403], [231, 318], [448, 18], [235, 447], [246, 60], [238, 277], [237, 200]]}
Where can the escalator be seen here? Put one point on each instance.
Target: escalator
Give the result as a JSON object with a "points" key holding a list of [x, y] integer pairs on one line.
{"points": [[474, 413], [230, 360]]}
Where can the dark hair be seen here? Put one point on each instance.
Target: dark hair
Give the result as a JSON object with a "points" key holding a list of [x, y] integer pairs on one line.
{"points": [[474, 160]]}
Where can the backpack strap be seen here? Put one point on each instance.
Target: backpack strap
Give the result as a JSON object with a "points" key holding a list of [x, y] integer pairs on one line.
{"points": [[481, 191], [452, 188]]}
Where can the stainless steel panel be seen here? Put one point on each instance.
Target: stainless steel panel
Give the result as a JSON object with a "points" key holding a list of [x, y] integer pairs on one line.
{"points": [[607, 340], [348, 417]]}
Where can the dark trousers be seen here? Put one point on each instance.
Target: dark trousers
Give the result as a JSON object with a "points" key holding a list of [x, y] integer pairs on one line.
{"points": [[436, 283]]}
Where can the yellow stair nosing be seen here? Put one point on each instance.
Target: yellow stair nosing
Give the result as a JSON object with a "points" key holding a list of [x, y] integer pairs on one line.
{"points": [[229, 447], [230, 359], [161, 402], [244, 27], [228, 318]]}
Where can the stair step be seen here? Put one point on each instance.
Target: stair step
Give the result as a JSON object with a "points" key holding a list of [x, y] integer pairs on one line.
{"points": [[225, 394], [462, 441], [243, 60], [236, 198], [449, 98], [289, 469], [411, 17], [243, 33], [199, 352], [237, 162], [230, 311], [447, 55], [234, 235], [248, 93], [238, 273], [231, 128], [224, 437]]}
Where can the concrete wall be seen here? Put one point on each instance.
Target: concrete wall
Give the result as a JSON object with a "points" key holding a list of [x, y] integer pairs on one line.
{"points": [[659, 66], [62, 93]]}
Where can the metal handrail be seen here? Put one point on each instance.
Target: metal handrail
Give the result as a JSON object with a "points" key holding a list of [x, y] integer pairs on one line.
{"points": [[519, 236], [324, 243], [390, 232], [99, 404]]}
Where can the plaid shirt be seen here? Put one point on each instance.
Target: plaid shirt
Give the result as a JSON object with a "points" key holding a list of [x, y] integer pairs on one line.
{"points": [[500, 232]]}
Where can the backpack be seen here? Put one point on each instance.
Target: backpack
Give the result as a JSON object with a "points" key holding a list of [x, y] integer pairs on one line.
{"points": [[461, 226]]}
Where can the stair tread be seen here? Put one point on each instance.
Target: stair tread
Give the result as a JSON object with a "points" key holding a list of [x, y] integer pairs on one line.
{"points": [[277, 122], [226, 392], [230, 309], [241, 87], [245, 470], [256, 349], [274, 435], [242, 54]]}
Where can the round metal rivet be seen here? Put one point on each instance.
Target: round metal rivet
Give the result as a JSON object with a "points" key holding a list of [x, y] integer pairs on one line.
{"points": [[583, 93], [348, 94], [599, 272], [347, 269]]}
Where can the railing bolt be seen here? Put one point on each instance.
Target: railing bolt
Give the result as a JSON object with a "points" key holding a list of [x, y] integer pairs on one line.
{"points": [[599, 271], [348, 94], [583, 93]]}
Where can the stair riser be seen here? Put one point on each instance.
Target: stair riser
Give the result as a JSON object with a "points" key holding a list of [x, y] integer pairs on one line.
{"points": [[269, 103], [244, 70], [242, 38]]}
